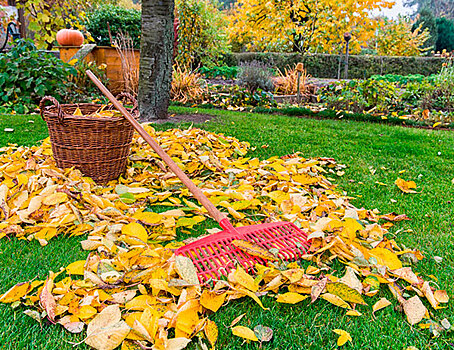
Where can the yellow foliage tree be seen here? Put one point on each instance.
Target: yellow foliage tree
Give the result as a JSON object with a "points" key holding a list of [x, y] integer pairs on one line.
{"points": [[396, 38], [46, 18], [302, 25]]}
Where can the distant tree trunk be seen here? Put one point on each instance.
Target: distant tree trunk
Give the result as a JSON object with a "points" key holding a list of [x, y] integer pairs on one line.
{"points": [[156, 52]]}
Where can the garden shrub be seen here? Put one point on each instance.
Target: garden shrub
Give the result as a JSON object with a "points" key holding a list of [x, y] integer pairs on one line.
{"points": [[119, 19], [238, 97], [440, 94], [255, 75], [404, 79], [224, 72], [27, 75], [326, 66], [201, 33]]}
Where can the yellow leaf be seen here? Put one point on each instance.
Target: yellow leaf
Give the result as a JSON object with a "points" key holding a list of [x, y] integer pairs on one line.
{"points": [[305, 179], [441, 296], [334, 299], [15, 293], [290, 298], [76, 268], [351, 226], [186, 322], [343, 337], [212, 300], [189, 222], [136, 230], [436, 124], [253, 249], [345, 293], [353, 313], [312, 270], [253, 296], [405, 186], [385, 257], [244, 279], [244, 332], [279, 196], [211, 332], [86, 311], [148, 217], [56, 198], [381, 304]]}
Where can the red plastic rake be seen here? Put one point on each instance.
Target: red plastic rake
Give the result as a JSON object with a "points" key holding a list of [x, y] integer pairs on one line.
{"points": [[214, 255]]}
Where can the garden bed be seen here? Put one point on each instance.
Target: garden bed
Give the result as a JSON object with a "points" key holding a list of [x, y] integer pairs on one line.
{"points": [[103, 55]]}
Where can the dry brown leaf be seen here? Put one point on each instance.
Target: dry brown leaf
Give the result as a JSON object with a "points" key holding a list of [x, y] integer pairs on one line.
{"points": [[414, 309], [107, 331]]}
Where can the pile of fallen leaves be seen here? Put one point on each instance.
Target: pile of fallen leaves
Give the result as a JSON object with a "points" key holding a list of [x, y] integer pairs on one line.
{"points": [[133, 291]]}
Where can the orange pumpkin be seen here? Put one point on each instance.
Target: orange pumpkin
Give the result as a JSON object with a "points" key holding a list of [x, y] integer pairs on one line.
{"points": [[70, 37]]}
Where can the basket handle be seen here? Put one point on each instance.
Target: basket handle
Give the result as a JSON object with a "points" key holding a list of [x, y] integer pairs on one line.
{"points": [[131, 98], [56, 104]]}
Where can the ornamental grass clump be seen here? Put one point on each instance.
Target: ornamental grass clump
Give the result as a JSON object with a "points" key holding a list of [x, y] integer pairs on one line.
{"points": [[187, 86]]}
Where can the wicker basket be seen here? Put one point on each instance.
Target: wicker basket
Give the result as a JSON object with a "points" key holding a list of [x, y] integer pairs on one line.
{"points": [[97, 146]]}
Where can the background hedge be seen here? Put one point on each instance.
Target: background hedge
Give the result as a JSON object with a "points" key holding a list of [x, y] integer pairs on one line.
{"points": [[326, 66]]}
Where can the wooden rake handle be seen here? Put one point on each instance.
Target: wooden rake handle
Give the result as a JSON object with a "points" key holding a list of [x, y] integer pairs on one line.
{"points": [[196, 192]]}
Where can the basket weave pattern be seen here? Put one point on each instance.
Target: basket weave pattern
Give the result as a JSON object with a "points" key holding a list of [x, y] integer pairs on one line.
{"points": [[97, 146]]}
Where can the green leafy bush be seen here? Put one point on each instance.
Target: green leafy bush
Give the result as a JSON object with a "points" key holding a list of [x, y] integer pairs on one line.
{"points": [[27, 75], [361, 96], [119, 19], [400, 79], [224, 72]]}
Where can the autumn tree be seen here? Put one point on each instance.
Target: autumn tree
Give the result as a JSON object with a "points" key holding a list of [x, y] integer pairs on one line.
{"points": [[303, 25], [396, 38], [425, 19], [156, 52]]}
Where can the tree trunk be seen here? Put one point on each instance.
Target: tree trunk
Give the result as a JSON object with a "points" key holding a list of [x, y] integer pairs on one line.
{"points": [[156, 52]]}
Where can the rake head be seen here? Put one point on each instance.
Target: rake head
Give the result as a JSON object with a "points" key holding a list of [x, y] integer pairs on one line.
{"points": [[215, 255]]}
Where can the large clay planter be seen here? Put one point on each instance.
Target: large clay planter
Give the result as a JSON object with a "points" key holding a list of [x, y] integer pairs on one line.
{"points": [[100, 55]]}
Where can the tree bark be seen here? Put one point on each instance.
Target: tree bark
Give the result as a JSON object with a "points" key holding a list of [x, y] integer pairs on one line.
{"points": [[156, 53]]}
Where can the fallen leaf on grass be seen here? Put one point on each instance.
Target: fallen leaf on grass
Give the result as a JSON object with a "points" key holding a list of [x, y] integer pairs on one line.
{"points": [[253, 249], [186, 269], [47, 300], [244, 332], [381, 304], [290, 298], [353, 313], [15, 293], [344, 336], [405, 186], [211, 332], [212, 300], [441, 296], [107, 331], [345, 293], [414, 310], [335, 300], [264, 334]]}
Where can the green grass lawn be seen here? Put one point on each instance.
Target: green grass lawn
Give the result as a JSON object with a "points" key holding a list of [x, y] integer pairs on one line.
{"points": [[372, 152]]}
